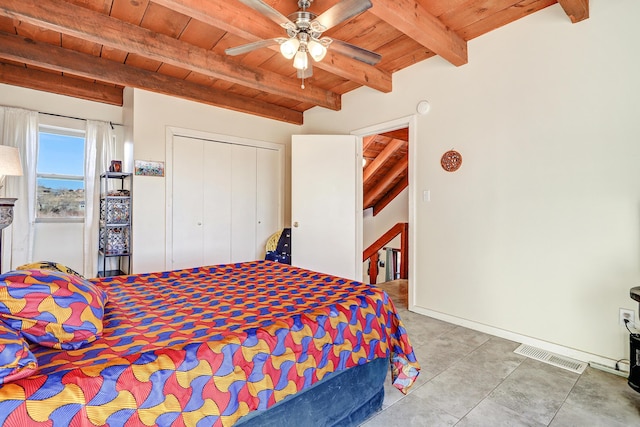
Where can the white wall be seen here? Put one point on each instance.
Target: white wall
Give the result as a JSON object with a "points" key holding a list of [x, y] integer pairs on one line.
{"points": [[375, 226], [59, 242], [537, 236], [149, 114], [44, 102]]}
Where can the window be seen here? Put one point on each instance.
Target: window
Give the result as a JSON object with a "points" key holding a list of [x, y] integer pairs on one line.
{"points": [[60, 174]]}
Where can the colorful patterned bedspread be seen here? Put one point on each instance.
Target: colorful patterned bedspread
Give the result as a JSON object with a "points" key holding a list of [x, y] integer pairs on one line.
{"points": [[205, 346]]}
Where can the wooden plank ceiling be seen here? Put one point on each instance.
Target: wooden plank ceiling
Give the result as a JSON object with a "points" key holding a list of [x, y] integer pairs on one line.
{"points": [[92, 49], [385, 171]]}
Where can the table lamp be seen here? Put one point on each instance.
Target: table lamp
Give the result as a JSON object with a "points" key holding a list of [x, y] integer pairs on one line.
{"points": [[9, 166]]}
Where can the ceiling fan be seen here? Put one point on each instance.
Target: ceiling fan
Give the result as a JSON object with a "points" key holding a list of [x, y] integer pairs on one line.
{"points": [[304, 34]]}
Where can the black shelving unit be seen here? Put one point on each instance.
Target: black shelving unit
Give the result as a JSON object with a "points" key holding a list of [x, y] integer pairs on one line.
{"points": [[115, 223]]}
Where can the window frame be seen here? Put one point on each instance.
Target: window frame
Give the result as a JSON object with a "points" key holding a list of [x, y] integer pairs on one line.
{"points": [[65, 127]]}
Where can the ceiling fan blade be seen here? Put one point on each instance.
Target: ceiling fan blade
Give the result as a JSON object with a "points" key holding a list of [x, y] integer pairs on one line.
{"points": [[239, 50], [269, 12], [341, 12], [355, 52]]}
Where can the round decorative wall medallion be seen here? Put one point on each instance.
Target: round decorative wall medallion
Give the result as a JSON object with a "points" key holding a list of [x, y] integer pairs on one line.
{"points": [[451, 161]]}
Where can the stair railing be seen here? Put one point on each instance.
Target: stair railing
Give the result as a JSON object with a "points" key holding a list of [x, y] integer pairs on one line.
{"points": [[372, 252]]}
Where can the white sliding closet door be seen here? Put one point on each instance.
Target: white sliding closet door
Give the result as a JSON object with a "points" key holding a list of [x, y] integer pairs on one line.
{"points": [[255, 200], [187, 191], [243, 203], [226, 201], [268, 198], [216, 196]]}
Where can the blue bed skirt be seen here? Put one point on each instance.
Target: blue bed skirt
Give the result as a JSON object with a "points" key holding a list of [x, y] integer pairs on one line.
{"points": [[345, 398]]}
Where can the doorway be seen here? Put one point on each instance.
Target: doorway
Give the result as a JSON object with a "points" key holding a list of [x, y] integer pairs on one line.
{"points": [[389, 192]]}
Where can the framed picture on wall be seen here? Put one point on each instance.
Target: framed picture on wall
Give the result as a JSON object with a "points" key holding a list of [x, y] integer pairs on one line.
{"points": [[149, 168]]}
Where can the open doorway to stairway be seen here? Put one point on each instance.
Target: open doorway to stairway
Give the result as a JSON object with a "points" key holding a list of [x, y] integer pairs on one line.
{"points": [[385, 178], [397, 291]]}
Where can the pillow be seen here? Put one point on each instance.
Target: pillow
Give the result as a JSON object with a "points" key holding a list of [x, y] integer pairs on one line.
{"points": [[49, 265], [51, 308], [16, 360]]}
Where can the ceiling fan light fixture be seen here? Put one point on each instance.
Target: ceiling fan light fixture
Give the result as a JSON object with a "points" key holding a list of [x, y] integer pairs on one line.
{"points": [[304, 33], [301, 60], [290, 47], [317, 50]]}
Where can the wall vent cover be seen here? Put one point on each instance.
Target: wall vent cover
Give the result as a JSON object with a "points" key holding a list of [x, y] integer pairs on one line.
{"points": [[551, 358]]}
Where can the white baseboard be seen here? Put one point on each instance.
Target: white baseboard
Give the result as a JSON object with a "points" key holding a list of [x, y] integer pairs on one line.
{"points": [[621, 372], [523, 339]]}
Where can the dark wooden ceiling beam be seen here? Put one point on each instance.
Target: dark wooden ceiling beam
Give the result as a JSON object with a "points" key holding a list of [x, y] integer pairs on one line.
{"points": [[232, 17], [60, 84], [402, 133], [411, 18], [381, 158], [367, 141], [19, 49], [98, 28], [576, 10], [383, 185]]}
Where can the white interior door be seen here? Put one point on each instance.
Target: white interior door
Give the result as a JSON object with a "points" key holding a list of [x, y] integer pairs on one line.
{"points": [[326, 204]]}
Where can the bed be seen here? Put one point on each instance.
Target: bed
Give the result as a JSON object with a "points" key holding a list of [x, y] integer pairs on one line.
{"points": [[216, 346]]}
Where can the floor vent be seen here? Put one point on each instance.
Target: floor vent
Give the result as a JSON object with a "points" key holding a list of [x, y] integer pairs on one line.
{"points": [[551, 358]]}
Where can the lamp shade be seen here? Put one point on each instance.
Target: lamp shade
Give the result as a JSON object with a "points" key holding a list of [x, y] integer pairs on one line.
{"points": [[316, 50], [10, 161], [301, 61], [290, 47]]}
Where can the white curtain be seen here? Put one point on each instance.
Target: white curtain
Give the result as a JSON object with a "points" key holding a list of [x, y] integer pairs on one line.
{"points": [[99, 151], [19, 128]]}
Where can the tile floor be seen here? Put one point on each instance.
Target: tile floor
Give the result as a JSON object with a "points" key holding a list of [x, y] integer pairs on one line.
{"points": [[470, 378]]}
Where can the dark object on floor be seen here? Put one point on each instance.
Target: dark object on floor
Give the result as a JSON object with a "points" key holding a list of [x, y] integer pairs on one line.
{"points": [[282, 251], [634, 353]]}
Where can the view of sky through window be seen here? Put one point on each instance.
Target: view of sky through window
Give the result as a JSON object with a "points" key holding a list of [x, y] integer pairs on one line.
{"points": [[60, 176], [60, 155]]}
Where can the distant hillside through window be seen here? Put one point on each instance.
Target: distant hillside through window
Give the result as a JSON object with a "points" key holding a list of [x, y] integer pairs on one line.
{"points": [[60, 174]]}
